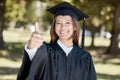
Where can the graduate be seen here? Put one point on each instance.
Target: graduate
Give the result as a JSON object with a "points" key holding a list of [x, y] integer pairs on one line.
{"points": [[62, 58]]}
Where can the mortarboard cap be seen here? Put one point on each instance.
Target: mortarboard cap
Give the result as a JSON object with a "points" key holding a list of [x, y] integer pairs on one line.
{"points": [[65, 8]]}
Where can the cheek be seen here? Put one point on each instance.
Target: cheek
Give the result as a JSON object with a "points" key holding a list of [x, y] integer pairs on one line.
{"points": [[71, 29], [56, 30]]}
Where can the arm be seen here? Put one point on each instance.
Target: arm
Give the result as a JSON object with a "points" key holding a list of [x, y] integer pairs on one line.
{"points": [[38, 63], [34, 43]]}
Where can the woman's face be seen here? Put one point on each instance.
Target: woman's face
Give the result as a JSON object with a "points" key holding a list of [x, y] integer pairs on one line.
{"points": [[64, 27]]}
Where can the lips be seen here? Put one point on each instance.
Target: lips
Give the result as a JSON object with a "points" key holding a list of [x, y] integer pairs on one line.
{"points": [[64, 33]]}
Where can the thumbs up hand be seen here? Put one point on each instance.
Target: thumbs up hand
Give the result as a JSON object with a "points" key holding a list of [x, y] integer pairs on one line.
{"points": [[36, 39]]}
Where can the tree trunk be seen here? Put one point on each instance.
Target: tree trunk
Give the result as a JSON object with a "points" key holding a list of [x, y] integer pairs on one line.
{"points": [[2, 11], [93, 39], [93, 30], [113, 48]]}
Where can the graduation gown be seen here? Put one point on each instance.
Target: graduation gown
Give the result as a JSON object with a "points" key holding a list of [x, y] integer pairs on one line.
{"points": [[51, 63]]}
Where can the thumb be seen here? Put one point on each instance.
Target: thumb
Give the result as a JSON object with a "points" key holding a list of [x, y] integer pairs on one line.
{"points": [[37, 27]]}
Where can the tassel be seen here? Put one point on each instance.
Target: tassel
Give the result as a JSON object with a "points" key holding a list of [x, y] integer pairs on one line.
{"points": [[83, 34]]}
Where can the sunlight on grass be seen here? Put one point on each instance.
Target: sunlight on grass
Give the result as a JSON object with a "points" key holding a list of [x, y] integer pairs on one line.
{"points": [[20, 36], [5, 63], [102, 42], [99, 41], [8, 69], [16, 35], [108, 69], [6, 77]]}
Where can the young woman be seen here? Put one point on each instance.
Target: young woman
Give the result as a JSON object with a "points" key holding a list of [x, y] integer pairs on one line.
{"points": [[62, 58]]}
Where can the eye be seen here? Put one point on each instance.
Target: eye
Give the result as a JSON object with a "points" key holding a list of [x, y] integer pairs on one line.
{"points": [[57, 22], [68, 22]]}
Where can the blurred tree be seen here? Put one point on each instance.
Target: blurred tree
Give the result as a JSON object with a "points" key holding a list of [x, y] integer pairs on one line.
{"points": [[113, 48], [103, 13], [94, 21], [9, 11], [15, 11], [2, 18], [30, 15]]}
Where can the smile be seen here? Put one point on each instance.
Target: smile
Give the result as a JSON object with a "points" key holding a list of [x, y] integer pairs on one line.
{"points": [[64, 33]]}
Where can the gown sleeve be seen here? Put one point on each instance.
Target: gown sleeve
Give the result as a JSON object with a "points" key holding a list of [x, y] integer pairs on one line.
{"points": [[24, 69], [93, 72], [38, 63], [90, 68], [30, 70]]}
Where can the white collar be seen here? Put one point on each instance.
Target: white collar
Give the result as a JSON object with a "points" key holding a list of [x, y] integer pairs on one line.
{"points": [[65, 48]]}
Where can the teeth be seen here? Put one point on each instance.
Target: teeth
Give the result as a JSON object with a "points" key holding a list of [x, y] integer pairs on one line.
{"points": [[63, 32]]}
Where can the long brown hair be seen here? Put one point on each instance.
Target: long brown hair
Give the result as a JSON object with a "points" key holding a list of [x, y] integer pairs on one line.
{"points": [[75, 35]]}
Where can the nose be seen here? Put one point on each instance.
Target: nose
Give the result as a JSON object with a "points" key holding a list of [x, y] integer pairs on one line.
{"points": [[63, 26]]}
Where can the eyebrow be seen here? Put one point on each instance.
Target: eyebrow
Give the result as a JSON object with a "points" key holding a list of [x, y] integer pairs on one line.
{"points": [[65, 20]]}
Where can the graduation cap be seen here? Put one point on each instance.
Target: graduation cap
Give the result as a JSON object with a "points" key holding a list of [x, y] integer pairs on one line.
{"points": [[65, 8]]}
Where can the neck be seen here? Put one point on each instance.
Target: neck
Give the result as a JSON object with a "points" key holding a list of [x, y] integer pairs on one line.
{"points": [[67, 43]]}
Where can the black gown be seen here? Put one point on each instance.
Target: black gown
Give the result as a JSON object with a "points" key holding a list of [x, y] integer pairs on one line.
{"points": [[51, 63]]}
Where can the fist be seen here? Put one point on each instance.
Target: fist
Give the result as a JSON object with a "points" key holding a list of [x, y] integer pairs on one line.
{"points": [[36, 39]]}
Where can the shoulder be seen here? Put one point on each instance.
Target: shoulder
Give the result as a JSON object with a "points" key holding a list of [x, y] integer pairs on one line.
{"points": [[83, 53], [51, 47], [85, 56]]}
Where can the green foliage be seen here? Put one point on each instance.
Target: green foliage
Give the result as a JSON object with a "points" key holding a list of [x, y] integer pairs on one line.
{"points": [[20, 12], [97, 9], [47, 20], [30, 15], [14, 11]]}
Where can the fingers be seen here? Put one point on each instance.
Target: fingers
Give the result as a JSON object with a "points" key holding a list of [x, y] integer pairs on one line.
{"points": [[37, 36], [35, 41], [37, 30], [37, 27]]}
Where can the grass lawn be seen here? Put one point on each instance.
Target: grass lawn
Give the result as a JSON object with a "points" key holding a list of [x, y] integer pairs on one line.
{"points": [[107, 67]]}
